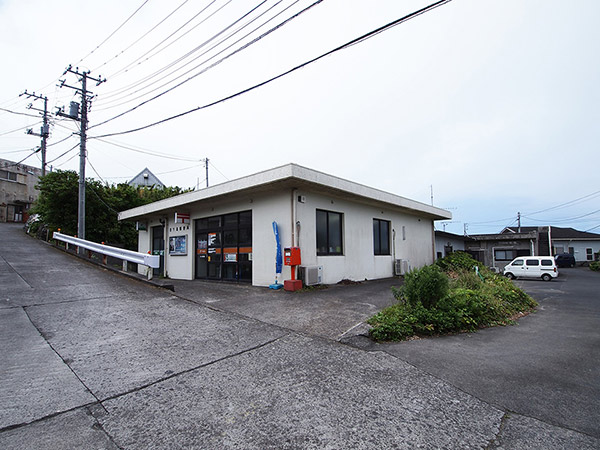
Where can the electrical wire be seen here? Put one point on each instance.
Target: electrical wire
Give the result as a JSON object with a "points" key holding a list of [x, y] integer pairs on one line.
{"points": [[126, 68], [283, 74], [213, 166], [191, 52], [58, 142], [569, 219], [63, 154], [114, 32], [569, 203], [210, 58], [148, 152], [18, 151], [19, 129], [141, 37], [243, 47], [19, 113]]}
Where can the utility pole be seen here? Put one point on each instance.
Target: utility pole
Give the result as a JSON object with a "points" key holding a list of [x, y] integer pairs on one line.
{"points": [[44, 132], [519, 221], [86, 97], [206, 166]]}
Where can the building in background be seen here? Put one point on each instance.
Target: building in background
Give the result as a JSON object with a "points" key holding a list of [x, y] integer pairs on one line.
{"points": [[17, 190], [146, 179], [497, 250]]}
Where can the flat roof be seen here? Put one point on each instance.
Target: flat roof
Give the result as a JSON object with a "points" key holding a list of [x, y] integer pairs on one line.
{"points": [[290, 176]]}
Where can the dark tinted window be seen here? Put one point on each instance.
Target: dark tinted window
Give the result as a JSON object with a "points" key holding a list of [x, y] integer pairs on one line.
{"points": [[381, 237], [329, 233], [532, 262], [547, 262]]}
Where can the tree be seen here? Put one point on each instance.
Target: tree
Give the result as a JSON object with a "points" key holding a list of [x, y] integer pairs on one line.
{"points": [[58, 200]]}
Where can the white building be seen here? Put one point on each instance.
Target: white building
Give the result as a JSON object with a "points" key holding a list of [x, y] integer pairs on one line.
{"points": [[352, 231]]}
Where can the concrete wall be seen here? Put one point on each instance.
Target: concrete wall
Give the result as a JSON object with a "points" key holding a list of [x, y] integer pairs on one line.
{"points": [[17, 193], [413, 239]]}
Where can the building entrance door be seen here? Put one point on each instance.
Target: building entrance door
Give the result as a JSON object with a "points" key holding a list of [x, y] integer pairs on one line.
{"points": [[158, 248], [224, 247]]}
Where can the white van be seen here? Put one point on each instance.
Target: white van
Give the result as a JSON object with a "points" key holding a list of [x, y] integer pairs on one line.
{"points": [[543, 267]]}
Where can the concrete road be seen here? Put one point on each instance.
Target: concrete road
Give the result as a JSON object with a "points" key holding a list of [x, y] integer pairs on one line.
{"points": [[546, 367], [91, 359]]}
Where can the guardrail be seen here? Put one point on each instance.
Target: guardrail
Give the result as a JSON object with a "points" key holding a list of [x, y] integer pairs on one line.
{"points": [[150, 261]]}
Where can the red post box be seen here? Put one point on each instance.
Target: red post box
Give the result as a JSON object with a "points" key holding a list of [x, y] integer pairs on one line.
{"points": [[291, 256]]}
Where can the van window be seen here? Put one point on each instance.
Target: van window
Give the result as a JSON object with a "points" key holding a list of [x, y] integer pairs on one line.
{"points": [[533, 262], [547, 262], [517, 262]]}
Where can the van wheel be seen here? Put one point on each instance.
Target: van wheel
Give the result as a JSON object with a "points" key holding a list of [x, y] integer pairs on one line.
{"points": [[510, 276], [546, 277]]}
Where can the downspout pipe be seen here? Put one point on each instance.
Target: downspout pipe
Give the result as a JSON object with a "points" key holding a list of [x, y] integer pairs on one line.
{"points": [[294, 217]]}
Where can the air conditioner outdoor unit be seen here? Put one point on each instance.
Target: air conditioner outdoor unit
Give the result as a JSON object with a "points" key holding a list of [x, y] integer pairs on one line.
{"points": [[401, 267], [310, 275]]}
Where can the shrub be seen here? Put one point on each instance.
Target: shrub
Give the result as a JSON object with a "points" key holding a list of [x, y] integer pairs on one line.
{"points": [[457, 261], [431, 304], [595, 266], [426, 285]]}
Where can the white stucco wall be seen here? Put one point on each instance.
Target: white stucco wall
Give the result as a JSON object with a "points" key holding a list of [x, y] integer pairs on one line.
{"points": [[442, 241], [579, 248], [358, 262]]}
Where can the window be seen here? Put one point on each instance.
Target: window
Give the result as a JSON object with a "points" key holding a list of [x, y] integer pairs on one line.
{"points": [[532, 262], [329, 233], [381, 237], [547, 262], [5, 174], [589, 254], [518, 262], [505, 255]]}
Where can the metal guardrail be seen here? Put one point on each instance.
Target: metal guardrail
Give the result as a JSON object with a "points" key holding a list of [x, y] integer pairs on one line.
{"points": [[151, 261]]}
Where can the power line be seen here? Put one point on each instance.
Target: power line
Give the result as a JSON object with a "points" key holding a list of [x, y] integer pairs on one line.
{"points": [[20, 129], [113, 33], [63, 154], [281, 75], [141, 37], [194, 68], [191, 52], [125, 69], [569, 203], [18, 113], [148, 152]]}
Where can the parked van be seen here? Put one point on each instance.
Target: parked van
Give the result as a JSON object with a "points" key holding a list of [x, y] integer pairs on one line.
{"points": [[543, 267]]}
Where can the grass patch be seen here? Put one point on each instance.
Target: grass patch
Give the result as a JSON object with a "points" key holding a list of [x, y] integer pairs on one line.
{"points": [[450, 297]]}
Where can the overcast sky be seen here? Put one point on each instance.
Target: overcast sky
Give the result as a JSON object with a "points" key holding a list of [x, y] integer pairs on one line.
{"points": [[491, 105]]}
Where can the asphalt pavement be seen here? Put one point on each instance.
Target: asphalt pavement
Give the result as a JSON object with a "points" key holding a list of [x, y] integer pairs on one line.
{"points": [[93, 359]]}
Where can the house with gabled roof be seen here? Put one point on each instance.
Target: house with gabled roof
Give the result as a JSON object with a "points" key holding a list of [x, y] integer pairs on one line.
{"points": [[146, 179]]}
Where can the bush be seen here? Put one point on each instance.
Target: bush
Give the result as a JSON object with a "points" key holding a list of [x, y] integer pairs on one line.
{"points": [[595, 266], [426, 285], [458, 261], [465, 303]]}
